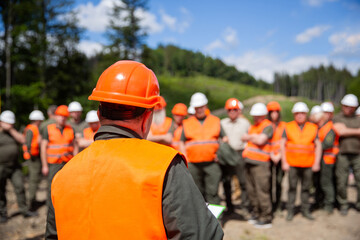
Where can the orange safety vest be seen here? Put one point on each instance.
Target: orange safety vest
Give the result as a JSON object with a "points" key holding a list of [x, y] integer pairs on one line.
{"points": [[300, 146], [253, 151], [202, 139], [161, 129], [277, 136], [329, 155], [34, 148], [111, 190], [176, 138], [60, 147], [89, 133]]}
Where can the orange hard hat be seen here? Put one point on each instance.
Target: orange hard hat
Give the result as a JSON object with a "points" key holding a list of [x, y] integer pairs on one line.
{"points": [[273, 106], [128, 83], [161, 104], [232, 103], [179, 109], [207, 112], [62, 110]]}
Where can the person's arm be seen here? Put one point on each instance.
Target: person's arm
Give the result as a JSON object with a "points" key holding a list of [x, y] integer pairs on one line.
{"points": [[43, 156], [163, 139], [19, 137], [318, 154], [185, 213], [284, 164], [76, 147], [344, 131]]}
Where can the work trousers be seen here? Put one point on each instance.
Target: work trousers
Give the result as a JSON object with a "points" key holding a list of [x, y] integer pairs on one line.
{"points": [[327, 182], [258, 189], [227, 173], [305, 176], [15, 175], [207, 176], [277, 175], [343, 163], [53, 169], [34, 177], [240, 174]]}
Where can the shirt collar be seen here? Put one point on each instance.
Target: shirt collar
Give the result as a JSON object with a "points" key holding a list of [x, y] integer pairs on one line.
{"points": [[107, 132]]}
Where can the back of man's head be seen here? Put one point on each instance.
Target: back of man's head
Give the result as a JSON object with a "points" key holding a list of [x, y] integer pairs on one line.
{"points": [[119, 112], [51, 110]]}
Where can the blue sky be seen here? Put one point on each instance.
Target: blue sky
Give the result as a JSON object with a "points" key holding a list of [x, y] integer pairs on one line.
{"points": [[257, 36]]}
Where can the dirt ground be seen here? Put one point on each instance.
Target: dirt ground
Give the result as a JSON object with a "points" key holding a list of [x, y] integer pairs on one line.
{"points": [[325, 227]]}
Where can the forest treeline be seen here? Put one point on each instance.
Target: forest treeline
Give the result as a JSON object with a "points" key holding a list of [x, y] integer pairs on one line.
{"points": [[41, 64]]}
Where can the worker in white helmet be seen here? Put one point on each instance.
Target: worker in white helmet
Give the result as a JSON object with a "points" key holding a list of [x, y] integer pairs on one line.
{"points": [[301, 154], [10, 168], [347, 125], [257, 166], [75, 110], [87, 136], [315, 114], [31, 153], [200, 142]]}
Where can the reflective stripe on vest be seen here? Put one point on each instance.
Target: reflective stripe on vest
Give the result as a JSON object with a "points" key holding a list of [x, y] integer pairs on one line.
{"points": [[329, 155], [161, 129], [275, 142], [112, 189], [253, 151], [201, 139], [300, 147], [34, 148], [60, 146]]}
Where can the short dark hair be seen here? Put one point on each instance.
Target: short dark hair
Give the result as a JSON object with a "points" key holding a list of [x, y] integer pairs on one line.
{"points": [[115, 111], [51, 109]]}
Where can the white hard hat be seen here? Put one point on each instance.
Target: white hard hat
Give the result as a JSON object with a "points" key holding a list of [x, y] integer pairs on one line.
{"points": [[198, 100], [350, 100], [91, 116], [315, 109], [36, 115], [327, 107], [7, 117], [258, 109], [300, 107], [191, 110], [75, 107], [357, 112], [241, 105]]}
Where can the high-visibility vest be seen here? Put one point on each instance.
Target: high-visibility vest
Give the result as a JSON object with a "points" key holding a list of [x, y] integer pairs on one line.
{"points": [[201, 139], [177, 137], [60, 146], [111, 190], [161, 129], [277, 136], [300, 146], [89, 133], [34, 148], [329, 155], [253, 151]]}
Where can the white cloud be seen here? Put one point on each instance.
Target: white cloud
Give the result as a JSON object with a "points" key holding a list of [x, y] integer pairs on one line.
{"points": [[168, 20], [228, 41], [149, 21], [176, 24], [263, 65], [214, 45], [89, 48], [311, 33], [316, 3], [346, 44]]}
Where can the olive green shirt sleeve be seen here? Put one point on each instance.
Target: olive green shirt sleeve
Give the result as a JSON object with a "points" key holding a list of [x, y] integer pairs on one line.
{"points": [[269, 131], [185, 213], [329, 140], [28, 138], [45, 134]]}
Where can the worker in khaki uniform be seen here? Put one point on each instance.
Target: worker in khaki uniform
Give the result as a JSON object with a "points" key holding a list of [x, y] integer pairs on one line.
{"points": [[51, 118], [257, 166], [347, 126], [301, 153], [179, 112], [330, 145], [10, 167], [200, 142], [75, 111], [88, 133], [123, 186], [160, 130], [234, 127], [277, 173], [58, 146], [31, 153]]}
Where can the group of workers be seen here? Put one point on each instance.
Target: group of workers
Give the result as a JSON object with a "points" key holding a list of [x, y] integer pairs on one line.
{"points": [[149, 190]]}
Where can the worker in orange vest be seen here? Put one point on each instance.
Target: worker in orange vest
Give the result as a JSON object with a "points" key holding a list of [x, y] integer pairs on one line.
{"points": [[87, 136], [31, 153], [200, 142], [123, 186], [58, 146], [301, 154], [179, 113], [277, 173], [75, 121], [257, 166], [160, 130]]}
